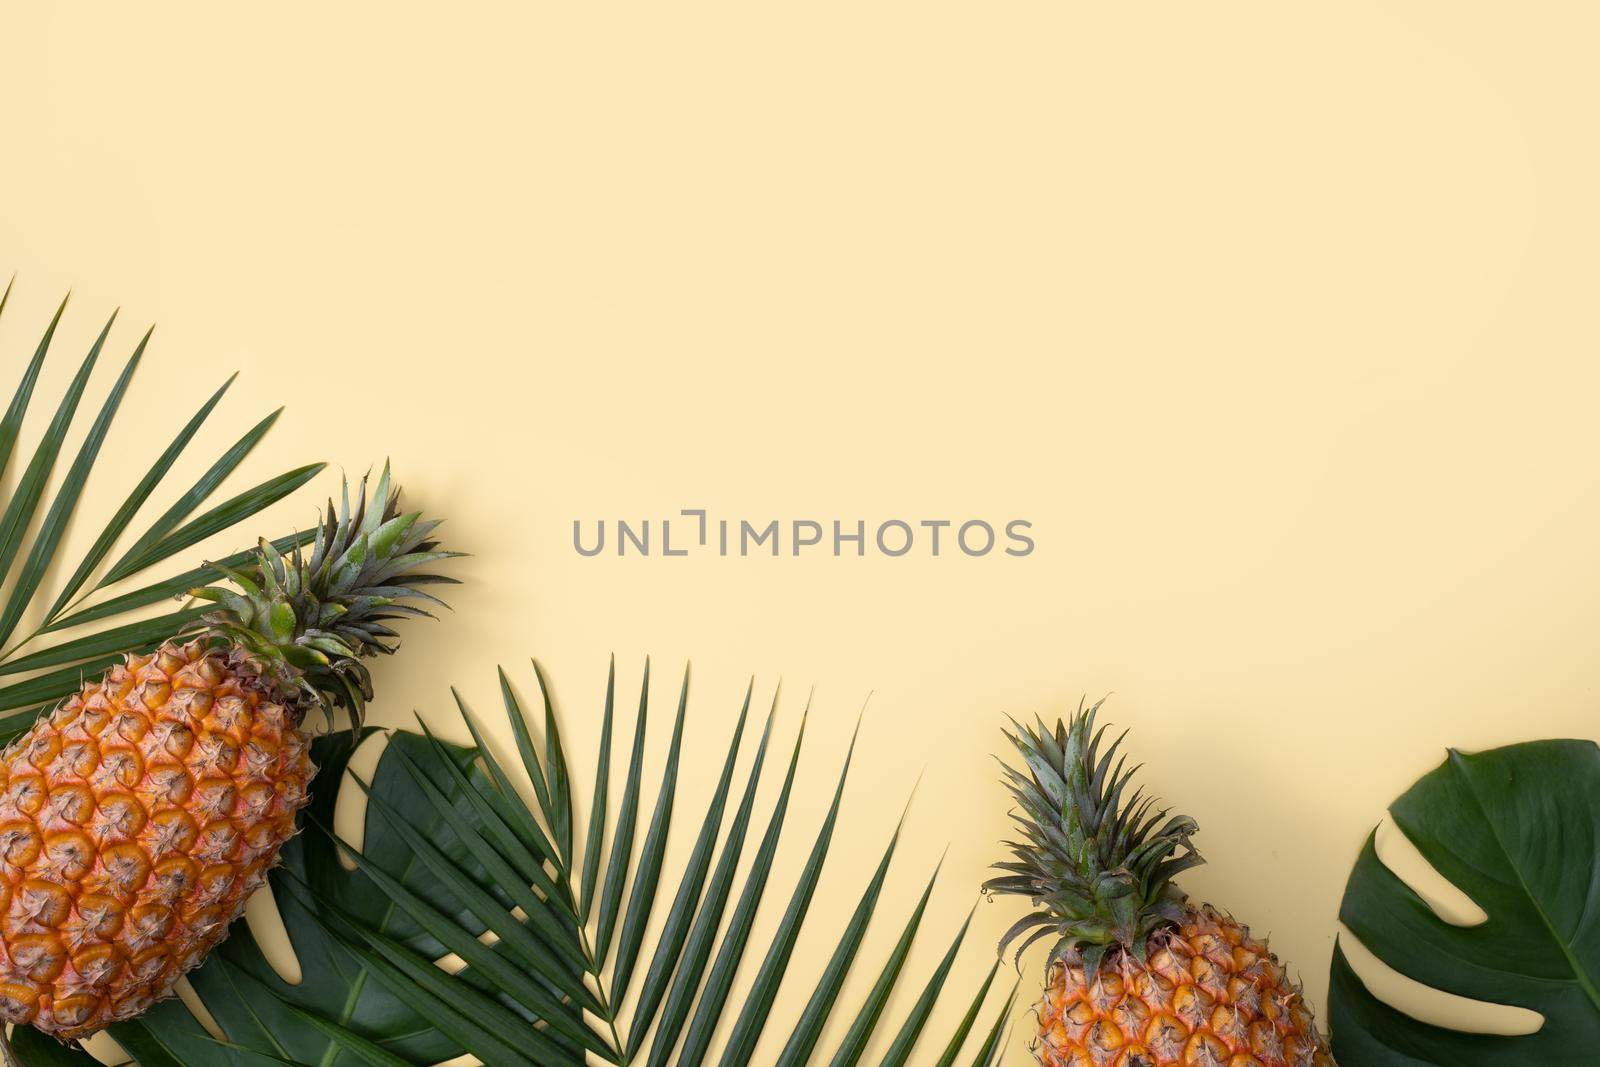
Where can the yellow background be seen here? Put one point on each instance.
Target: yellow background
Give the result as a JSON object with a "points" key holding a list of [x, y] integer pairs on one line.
{"points": [[1277, 320]]}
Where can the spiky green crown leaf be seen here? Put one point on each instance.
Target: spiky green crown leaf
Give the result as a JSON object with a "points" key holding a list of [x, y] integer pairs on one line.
{"points": [[307, 623], [1097, 862]]}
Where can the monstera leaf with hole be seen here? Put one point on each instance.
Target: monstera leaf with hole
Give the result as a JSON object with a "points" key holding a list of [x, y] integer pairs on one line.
{"points": [[56, 630], [590, 956], [1517, 829]]}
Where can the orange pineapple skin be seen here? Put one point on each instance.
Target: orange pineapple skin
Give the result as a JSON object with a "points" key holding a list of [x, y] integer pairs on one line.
{"points": [[135, 821], [1210, 995]]}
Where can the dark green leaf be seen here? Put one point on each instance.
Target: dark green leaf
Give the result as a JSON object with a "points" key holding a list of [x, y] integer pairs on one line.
{"points": [[52, 686], [494, 829], [922, 1010], [368, 1052], [708, 1011], [622, 833], [219, 518], [13, 723], [1517, 830], [803, 1042], [172, 587], [11, 425], [994, 1044], [697, 950], [539, 912], [676, 929], [129, 635], [555, 765], [36, 1050], [492, 965], [531, 762], [25, 496], [597, 810], [196, 495], [968, 1021], [168, 1036], [455, 993], [866, 1021], [648, 878], [534, 950], [504, 797], [764, 992], [456, 1015], [48, 538], [141, 492]]}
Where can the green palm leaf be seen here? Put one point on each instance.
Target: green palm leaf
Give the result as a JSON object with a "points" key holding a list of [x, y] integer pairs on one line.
{"points": [[455, 861], [53, 632]]}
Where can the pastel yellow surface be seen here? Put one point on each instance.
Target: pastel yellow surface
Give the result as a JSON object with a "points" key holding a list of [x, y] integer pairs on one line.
{"points": [[1277, 321]]}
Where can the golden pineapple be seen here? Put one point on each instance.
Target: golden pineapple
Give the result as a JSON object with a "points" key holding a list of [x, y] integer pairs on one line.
{"points": [[138, 816], [1138, 976]]}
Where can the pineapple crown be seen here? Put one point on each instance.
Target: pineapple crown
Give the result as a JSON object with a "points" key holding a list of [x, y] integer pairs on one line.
{"points": [[1097, 863], [305, 624]]}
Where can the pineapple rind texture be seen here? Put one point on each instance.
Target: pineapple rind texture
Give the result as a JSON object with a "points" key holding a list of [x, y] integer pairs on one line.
{"points": [[135, 821], [1208, 995]]}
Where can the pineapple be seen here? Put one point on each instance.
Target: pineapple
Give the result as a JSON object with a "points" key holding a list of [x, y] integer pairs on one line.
{"points": [[138, 816], [1138, 975]]}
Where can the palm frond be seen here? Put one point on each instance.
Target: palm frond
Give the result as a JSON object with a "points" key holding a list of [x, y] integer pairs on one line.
{"points": [[455, 861], [57, 632]]}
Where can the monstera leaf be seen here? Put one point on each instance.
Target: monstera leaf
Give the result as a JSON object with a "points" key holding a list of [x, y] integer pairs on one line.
{"points": [[1518, 830], [561, 955], [64, 619]]}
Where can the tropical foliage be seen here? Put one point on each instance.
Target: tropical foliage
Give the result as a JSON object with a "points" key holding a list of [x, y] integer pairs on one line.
{"points": [[54, 630], [1517, 829], [555, 958]]}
